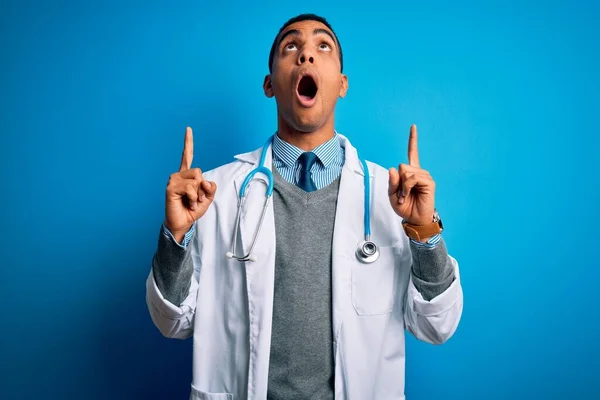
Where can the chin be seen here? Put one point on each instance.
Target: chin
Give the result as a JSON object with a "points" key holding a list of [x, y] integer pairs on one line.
{"points": [[306, 121], [306, 127]]}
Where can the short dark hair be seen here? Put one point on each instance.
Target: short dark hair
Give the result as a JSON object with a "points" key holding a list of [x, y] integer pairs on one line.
{"points": [[304, 17]]}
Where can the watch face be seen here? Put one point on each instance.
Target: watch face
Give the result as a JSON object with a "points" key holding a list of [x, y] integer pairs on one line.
{"points": [[436, 218]]}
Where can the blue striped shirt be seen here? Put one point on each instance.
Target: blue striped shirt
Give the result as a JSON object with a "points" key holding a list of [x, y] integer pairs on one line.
{"points": [[330, 157]]}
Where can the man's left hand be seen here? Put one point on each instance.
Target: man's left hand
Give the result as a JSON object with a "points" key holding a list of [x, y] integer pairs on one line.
{"points": [[411, 188]]}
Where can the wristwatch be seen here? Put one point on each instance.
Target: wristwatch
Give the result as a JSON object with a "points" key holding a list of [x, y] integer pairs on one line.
{"points": [[418, 232]]}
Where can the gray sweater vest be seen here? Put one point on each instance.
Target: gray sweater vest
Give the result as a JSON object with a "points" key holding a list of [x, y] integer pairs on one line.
{"points": [[301, 361]]}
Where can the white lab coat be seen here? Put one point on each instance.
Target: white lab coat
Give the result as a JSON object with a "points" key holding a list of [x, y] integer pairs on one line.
{"points": [[229, 307]]}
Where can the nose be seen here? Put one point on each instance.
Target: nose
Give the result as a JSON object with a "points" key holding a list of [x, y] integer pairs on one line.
{"points": [[306, 55]]}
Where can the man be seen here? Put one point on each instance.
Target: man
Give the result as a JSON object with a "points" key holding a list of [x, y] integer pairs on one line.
{"points": [[302, 317]]}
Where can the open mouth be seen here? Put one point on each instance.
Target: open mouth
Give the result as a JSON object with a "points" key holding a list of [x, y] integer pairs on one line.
{"points": [[307, 89]]}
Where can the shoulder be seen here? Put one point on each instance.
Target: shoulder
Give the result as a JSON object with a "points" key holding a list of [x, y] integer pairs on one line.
{"points": [[242, 163], [376, 169], [226, 173]]}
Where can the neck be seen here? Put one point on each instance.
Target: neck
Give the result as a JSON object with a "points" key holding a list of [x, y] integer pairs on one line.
{"points": [[306, 141]]}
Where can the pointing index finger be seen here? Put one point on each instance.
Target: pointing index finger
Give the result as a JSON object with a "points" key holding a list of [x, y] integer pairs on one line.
{"points": [[188, 150], [413, 151]]}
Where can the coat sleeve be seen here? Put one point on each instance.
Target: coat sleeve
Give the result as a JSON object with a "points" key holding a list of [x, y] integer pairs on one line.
{"points": [[436, 320], [172, 321], [171, 301]]}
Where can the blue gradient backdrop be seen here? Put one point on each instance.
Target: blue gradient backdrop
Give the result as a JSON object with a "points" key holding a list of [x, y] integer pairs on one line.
{"points": [[94, 101]]}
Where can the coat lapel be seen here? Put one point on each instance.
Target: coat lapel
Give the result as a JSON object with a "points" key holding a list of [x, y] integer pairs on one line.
{"points": [[348, 231], [260, 274]]}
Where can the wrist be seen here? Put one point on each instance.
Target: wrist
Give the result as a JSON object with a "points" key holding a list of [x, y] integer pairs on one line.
{"points": [[178, 234], [416, 222], [422, 232], [424, 239]]}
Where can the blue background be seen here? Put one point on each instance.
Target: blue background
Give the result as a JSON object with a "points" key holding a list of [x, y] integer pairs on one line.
{"points": [[94, 102]]}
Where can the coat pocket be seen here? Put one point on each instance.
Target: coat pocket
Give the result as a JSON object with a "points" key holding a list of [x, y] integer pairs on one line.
{"points": [[374, 285], [197, 394]]}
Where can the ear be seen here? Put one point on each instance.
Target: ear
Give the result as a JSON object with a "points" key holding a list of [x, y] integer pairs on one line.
{"points": [[344, 87], [268, 87]]}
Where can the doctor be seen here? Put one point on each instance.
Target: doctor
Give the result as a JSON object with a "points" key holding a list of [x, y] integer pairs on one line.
{"points": [[282, 304]]}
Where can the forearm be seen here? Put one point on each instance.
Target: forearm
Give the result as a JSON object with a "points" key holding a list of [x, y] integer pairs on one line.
{"points": [[432, 270], [172, 267]]}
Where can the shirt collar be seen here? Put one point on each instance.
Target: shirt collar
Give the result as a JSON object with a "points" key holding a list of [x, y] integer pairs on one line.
{"points": [[288, 153]]}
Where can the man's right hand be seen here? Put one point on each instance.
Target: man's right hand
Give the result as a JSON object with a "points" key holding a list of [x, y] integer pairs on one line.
{"points": [[188, 194]]}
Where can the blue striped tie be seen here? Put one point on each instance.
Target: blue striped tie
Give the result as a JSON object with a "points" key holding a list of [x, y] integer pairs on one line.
{"points": [[306, 161]]}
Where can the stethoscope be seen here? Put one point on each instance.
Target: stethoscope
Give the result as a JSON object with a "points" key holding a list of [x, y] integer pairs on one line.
{"points": [[366, 251]]}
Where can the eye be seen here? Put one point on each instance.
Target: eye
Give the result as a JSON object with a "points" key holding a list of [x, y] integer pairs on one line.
{"points": [[290, 47], [325, 47]]}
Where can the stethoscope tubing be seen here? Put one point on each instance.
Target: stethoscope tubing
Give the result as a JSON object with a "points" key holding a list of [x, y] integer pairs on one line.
{"points": [[367, 251]]}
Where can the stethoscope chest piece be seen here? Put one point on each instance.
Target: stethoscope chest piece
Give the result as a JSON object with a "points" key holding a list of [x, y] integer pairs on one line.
{"points": [[367, 252]]}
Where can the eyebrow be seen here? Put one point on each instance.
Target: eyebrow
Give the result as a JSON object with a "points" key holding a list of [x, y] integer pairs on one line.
{"points": [[296, 32]]}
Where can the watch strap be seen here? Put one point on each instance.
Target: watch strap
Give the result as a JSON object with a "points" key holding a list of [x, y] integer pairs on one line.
{"points": [[419, 232]]}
